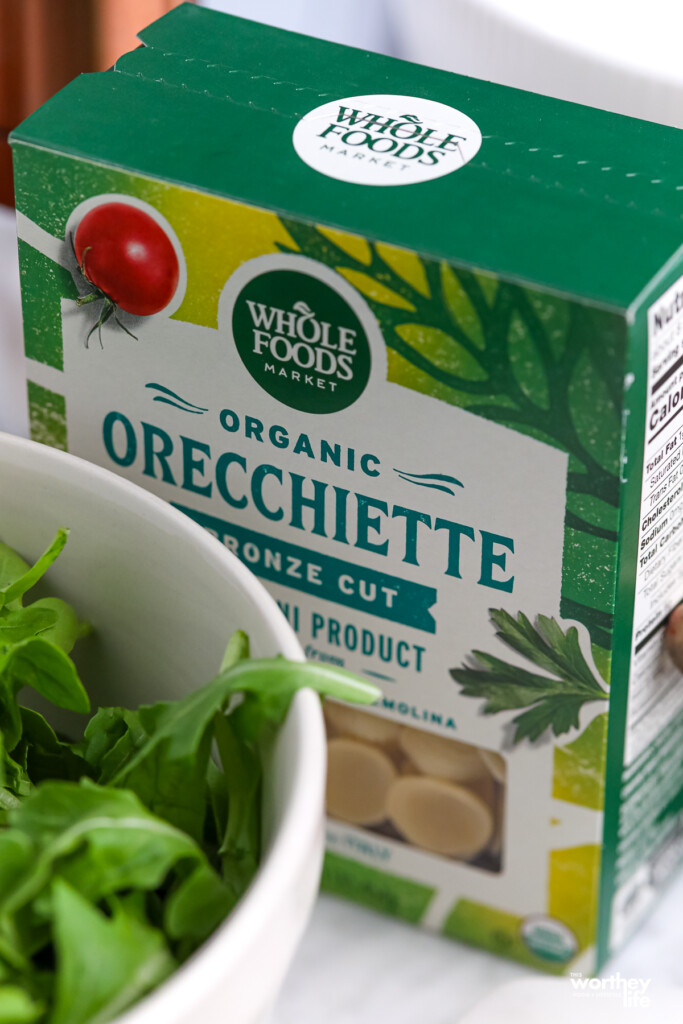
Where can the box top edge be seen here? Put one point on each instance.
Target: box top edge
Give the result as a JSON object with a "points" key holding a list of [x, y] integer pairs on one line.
{"points": [[634, 197]]}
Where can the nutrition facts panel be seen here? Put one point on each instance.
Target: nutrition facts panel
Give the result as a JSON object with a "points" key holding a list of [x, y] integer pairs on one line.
{"points": [[656, 688]]}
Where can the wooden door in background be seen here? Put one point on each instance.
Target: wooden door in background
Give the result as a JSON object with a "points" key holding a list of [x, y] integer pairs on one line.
{"points": [[46, 43]]}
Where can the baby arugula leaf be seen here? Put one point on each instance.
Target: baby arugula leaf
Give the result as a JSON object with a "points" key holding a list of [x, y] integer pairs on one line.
{"points": [[17, 623], [101, 840], [554, 701], [244, 736], [43, 665], [195, 909], [104, 964], [102, 733], [17, 1006], [240, 849], [16, 852], [269, 684], [217, 815], [15, 588], [14, 783], [162, 752], [35, 641], [47, 669], [202, 787], [240, 837], [111, 738], [110, 868], [237, 649], [169, 770], [44, 754], [15, 779], [65, 628], [12, 565]]}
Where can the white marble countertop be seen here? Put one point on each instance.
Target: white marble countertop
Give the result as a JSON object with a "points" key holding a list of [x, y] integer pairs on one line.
{"points": [[355, 966]]}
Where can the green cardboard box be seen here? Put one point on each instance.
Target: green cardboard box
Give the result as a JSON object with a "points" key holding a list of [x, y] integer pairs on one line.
{"points": [[411, 345]]}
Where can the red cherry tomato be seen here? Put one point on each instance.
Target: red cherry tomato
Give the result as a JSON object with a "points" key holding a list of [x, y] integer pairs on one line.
{"points": [[128, 256]]}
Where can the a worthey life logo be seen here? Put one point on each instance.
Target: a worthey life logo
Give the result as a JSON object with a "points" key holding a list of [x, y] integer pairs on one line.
{"points": [[632, 992]]}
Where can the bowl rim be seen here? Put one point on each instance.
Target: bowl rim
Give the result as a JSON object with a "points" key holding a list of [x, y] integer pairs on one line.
{"points": [[302, 815], [74, 469]]}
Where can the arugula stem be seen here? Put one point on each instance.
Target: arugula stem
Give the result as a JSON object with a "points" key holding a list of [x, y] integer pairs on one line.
{"points": [[276, 675]]}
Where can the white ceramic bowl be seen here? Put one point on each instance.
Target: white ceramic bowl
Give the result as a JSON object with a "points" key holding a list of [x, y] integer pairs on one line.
{"points": [[164, 597]]}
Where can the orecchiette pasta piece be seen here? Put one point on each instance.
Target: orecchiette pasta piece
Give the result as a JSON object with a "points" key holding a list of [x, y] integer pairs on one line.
{"points": [[358, 781], [438, 755], [440, 816]]}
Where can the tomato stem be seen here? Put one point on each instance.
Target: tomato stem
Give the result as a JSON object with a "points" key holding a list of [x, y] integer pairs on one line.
{"points": [[123, 326], [109, 308]]}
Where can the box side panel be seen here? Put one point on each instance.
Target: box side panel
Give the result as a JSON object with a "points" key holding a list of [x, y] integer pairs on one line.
{"points": [[421, 461], [643, 821]]}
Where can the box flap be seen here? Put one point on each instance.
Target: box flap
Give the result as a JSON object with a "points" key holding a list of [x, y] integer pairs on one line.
{"points": [[578, 200]]}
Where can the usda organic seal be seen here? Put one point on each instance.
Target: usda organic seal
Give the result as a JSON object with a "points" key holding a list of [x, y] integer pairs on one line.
{"points": [[386, 140], [549, 938]]}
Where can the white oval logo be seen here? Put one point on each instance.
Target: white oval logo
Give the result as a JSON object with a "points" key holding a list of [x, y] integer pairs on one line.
{"points": [[386, 140]]}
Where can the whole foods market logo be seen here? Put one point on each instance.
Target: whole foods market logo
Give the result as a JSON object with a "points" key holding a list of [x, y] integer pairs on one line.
{"points": [[298, 334], [386, 140]]}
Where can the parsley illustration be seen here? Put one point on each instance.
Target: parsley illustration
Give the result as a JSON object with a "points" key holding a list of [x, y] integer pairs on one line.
{"points": [[553, 700]]}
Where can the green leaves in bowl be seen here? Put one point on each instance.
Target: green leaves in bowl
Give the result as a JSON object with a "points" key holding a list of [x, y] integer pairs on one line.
{"points": [[128, 844]]}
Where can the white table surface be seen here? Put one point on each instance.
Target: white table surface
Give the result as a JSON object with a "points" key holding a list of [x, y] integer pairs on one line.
{"points": [[355, 966]]}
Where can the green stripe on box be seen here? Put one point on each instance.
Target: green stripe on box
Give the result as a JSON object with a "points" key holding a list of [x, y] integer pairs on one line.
{"points": [[494, 930], [43, 285], [390, 894], [47, 416]]}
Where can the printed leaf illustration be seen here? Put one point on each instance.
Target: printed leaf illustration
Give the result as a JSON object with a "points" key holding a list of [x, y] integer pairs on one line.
{"points": [[540, 364], [553, 700], [579, 767]]}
